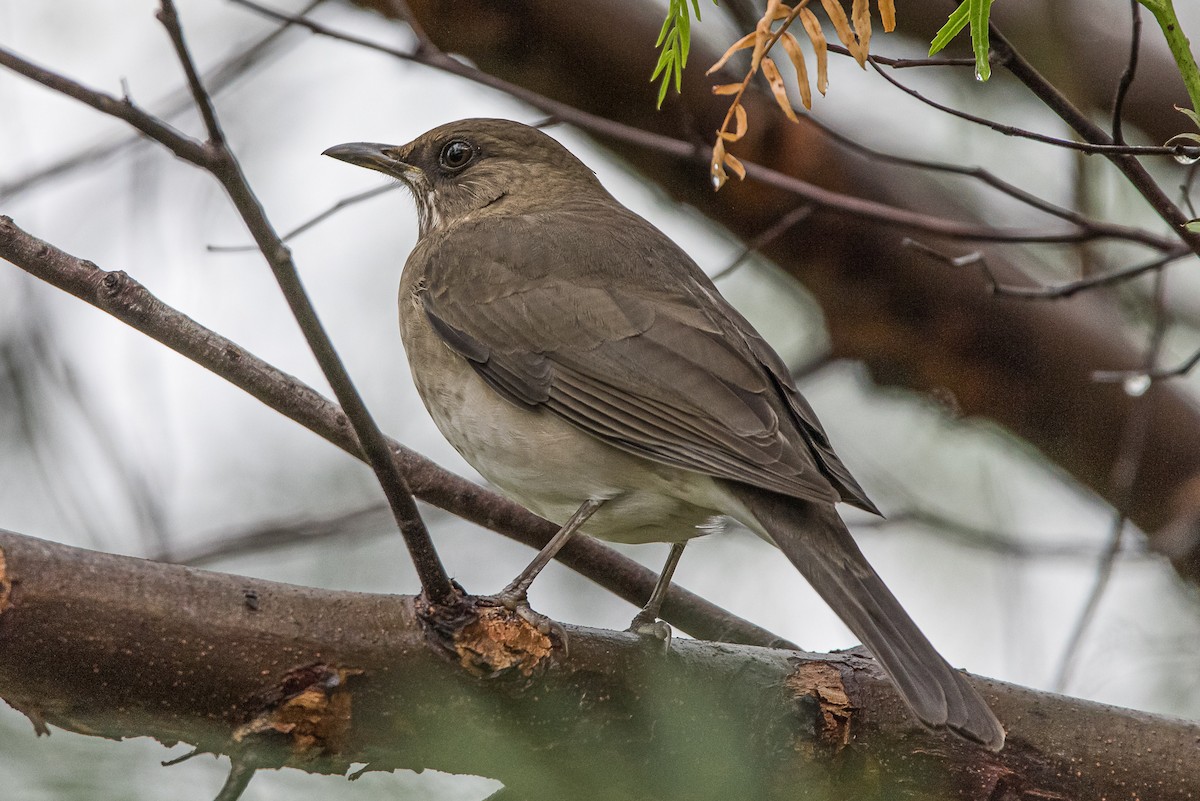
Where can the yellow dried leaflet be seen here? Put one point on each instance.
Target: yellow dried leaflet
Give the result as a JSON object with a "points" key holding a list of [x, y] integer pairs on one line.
{"points": [[812, 26], [860, 12], [771, 73], [887, 13], [792, 46]]}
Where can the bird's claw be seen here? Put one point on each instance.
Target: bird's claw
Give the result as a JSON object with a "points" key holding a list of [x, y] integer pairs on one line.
{"points": [[518, 604], [652, 630]]}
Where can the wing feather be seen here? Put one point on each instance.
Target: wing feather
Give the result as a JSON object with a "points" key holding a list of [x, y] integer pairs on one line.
{"points": [[638, 350]]}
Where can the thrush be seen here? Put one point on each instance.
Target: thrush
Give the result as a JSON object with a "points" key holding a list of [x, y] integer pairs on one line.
{"points": [[589, 369]]}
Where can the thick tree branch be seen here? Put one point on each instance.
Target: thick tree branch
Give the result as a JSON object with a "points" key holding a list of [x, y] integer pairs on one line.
{"points": [[130, 302], [282, 675]]}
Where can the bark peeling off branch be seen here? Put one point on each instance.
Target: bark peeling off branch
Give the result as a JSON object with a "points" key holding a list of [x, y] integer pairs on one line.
{"points": [[276, 674]]}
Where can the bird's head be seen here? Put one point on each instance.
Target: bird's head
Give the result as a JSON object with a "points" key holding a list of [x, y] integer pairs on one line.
{"points": [[462, 167]]}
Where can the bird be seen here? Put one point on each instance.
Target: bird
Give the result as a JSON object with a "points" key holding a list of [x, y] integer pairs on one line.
{"points": [[587, 367]]}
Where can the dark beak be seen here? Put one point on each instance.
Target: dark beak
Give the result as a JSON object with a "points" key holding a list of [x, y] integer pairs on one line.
{"points": [[373, 156]]}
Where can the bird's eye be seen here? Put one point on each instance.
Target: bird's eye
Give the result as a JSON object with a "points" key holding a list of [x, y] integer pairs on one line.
{"points": [[456, 155]]}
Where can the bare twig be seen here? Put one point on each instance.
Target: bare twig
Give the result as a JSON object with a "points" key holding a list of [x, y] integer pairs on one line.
{"points": [[225, 167], [1092, 133], [1100, 227], [1150, 376], [370, 520], [217, 79], [1135, 38], [1124, 473], [966, 535], [1103, 148], [1058, 291], [315, 220], [781, 227]]}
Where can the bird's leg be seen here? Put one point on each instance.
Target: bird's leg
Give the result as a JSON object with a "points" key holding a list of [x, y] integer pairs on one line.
{"points": [[515, 595], [646, 622]]}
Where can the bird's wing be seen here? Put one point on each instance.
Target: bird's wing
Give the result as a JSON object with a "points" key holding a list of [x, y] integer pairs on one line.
{"points": [[631, 343]]}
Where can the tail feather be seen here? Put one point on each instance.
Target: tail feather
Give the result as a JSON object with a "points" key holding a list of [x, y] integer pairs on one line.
{"points": [[817, 542]]}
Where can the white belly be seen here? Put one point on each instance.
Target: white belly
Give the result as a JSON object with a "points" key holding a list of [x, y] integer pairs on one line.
{"points": [[546, 464]]}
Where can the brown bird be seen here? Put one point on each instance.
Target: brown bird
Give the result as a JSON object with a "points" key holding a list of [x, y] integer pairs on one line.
{"points": [[584, 365]]}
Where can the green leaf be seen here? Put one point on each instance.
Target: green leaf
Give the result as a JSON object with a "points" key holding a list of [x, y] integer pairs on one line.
{"points": [[1193, 226], [667, 25], [675, 42], [664, 61], [956, 22], [980, 11], [685, 38], [974, 13]]}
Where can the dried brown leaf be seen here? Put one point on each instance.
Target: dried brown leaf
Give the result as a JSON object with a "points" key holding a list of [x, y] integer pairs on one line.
{"points": [[860, 11], [740, 123], [762, 31], [792, 46], [771, 73], [812, 26], [760, 48], [740, 44], [778, 11], [734, 164], [837, 16], [887, 13], [727, 89]]}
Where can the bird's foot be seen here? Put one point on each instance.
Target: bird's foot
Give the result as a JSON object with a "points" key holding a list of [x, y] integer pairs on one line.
{"points": [[651, 630], [517, 602]]}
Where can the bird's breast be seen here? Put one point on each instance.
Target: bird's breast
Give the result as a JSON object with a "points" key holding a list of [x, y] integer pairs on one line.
{"points": [[543, 462]]}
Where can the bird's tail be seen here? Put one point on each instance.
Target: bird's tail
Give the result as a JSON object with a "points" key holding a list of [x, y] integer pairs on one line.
{"points": [[817, 542]]}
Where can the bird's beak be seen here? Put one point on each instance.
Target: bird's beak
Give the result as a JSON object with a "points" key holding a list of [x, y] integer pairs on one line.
{"points": [[383, 158]]}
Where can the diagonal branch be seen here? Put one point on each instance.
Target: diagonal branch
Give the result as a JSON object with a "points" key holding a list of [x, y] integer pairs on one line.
{"points": [[1089, 131], [224, 166]]}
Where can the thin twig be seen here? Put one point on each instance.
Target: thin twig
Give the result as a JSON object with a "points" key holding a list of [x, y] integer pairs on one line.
{"points": [[1135, 39], [217, 79], [179, 143], [1122, 479], [1100, 227], [344, 203], [1057, 291], [1090, 132], [1156, 374], [368, 521], [223, 164], [905, 63], [168, 16], [1106, 148], [778, 229], [966, 535]]}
